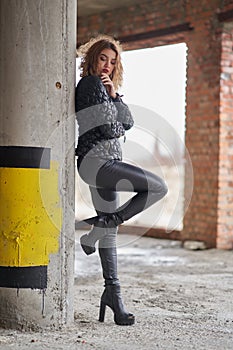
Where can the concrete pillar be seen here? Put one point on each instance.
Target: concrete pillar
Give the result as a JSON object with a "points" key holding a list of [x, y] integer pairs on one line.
{"points": [[37, 81]]}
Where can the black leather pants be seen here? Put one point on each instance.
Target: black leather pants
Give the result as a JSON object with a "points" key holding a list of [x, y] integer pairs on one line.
{"points": [[107, 178]]}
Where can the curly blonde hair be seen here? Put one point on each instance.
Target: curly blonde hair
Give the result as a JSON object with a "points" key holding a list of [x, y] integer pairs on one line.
{"points": [[90, 52]]}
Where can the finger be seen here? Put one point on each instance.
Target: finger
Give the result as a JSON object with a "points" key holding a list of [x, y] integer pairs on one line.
{"points": [[105, 78], [108, 84], [107, 81]]}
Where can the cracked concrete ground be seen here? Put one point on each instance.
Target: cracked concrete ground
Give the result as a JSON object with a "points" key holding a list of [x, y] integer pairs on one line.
{"points": [[181, 299]]}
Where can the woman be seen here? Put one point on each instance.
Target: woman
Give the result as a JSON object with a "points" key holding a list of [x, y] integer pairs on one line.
{"points": [[103, 118]]}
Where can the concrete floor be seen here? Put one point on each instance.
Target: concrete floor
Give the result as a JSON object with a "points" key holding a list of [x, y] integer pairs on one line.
{"points": [[181, 299]]}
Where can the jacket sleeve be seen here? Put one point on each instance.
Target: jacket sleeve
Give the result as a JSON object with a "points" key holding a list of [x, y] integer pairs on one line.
{"points": [[124, 114], [91, 95]]}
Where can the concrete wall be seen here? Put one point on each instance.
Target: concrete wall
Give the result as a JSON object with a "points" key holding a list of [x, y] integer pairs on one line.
{"points": [[37, 70], [201, 25]]}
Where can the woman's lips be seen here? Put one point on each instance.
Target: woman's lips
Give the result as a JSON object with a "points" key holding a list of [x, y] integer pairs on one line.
{"points": [[105, 70]]}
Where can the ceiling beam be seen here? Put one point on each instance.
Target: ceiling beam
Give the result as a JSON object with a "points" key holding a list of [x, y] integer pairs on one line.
{"points": [[225, 16], [184, 27], [156, 33]]}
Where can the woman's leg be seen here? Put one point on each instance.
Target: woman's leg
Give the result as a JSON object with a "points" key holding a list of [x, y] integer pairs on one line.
{"points": [[120, 176], [104, 201], [113, 176], [107, 201]]}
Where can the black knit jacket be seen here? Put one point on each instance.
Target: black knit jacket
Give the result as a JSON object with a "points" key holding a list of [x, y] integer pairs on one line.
{"points": [[101, 120]]}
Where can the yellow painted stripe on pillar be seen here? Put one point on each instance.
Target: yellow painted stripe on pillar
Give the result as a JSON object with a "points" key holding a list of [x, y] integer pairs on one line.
{"points": [[30, 215]]}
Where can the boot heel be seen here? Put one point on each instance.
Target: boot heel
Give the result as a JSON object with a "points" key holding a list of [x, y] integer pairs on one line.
{"points": [[102, 311]]}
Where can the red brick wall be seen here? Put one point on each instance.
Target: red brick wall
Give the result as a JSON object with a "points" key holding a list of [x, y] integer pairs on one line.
{"points": [[225, 200], [207, 218], [202, 121]]}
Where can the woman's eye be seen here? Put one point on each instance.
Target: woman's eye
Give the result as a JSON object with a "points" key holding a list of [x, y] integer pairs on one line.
{"points": [[102, 58], [113, 63]]}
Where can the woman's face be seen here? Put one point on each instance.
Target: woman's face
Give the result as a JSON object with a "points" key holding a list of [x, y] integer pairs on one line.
{"points": [[106, 62]]}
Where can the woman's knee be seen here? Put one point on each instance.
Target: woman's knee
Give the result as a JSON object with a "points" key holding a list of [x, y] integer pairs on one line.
{"points": [[159, 187]]}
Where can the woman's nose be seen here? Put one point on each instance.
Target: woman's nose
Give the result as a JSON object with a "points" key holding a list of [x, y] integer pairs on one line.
{"points": [[107, 63]]}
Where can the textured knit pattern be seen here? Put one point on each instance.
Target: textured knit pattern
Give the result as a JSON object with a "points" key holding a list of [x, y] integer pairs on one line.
{"points": [[101, 119]]}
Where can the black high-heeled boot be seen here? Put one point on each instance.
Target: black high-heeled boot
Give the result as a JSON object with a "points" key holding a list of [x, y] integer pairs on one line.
{"points": [[111, 296], [101, 225], [89, 240]]}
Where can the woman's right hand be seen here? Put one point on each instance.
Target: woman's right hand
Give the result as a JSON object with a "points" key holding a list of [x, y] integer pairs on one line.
{"points": [[108, 84]]}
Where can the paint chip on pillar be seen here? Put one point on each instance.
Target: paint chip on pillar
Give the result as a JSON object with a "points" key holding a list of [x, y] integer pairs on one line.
{"points": [[30, 215]]}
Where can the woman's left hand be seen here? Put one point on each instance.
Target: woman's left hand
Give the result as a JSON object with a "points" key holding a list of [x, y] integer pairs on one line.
{"points": [[108, 84]]}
